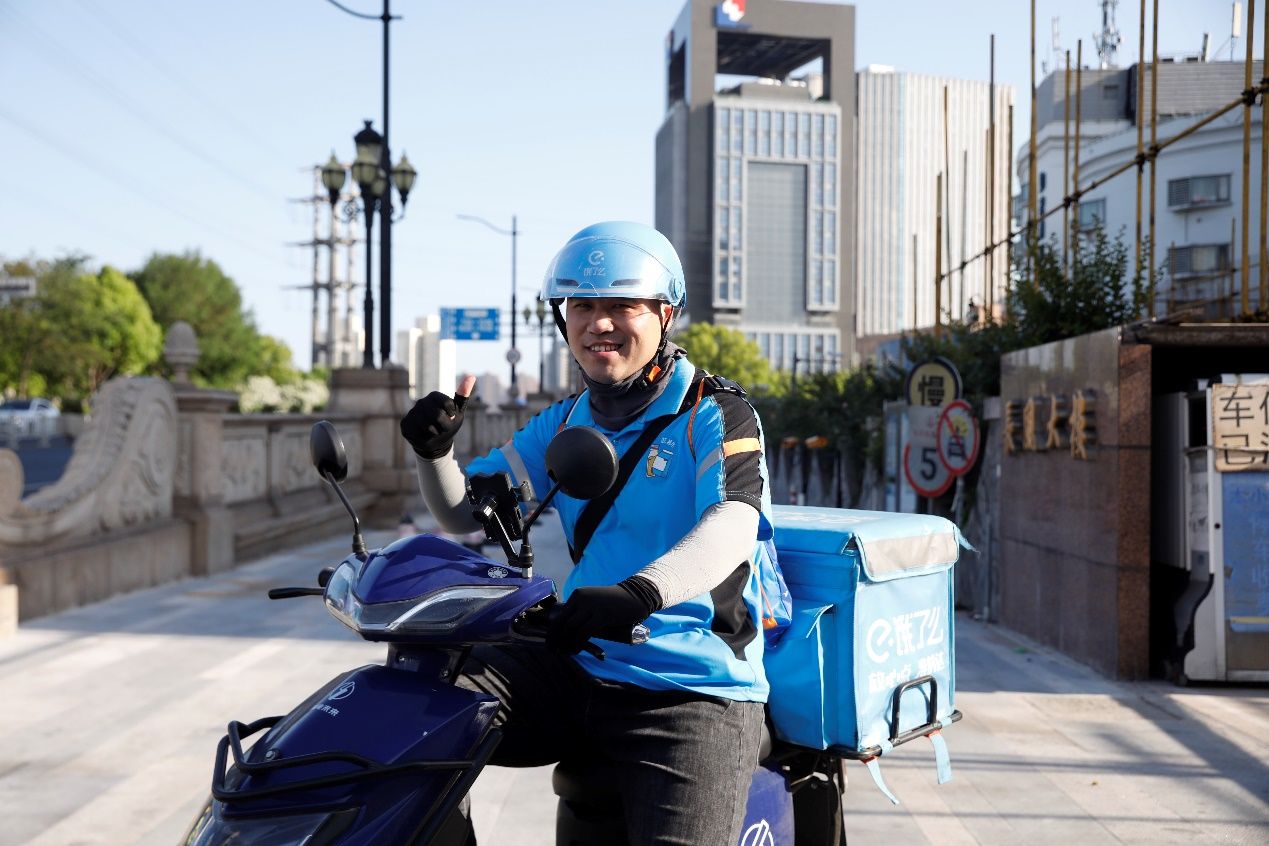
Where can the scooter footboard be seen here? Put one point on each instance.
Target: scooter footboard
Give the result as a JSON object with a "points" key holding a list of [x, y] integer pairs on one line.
{"points": [[370, 738]]}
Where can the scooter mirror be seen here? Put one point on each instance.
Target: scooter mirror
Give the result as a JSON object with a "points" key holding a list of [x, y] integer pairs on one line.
{"points": [[327, 450], [582, 462]]}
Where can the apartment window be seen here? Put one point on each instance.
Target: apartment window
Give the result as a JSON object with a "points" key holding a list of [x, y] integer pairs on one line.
{"points": [[818, 137], [737, 230], [736, 194], [723, 271], [722, 124], [804, 135], [724, 174], [1197, 191], [1199, 259], [751, 132], [1042, 180], [817, 182], [724, 242], [736, 290], [1041, 213], [777, 134], [830, 140], [736, 117], [764, 134], [830, 187], [1092, 214], [830, 233]]}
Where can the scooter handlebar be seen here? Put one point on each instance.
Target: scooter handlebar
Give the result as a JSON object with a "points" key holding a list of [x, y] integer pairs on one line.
{"points": [[535, 622]]}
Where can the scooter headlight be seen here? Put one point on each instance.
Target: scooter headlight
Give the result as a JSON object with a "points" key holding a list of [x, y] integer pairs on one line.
{"points": [[436, 612]]}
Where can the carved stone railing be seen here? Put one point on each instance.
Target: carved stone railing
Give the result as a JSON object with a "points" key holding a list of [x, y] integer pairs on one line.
{"points": [[165, 483]]}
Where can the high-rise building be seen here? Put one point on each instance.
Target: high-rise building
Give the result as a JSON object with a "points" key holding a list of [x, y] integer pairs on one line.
{"points": [[1198, 215], [901, 154], [754, 176], [432, 361]]}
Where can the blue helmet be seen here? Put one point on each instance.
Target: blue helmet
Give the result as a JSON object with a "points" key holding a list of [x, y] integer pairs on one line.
{"points": [[617, 259]]}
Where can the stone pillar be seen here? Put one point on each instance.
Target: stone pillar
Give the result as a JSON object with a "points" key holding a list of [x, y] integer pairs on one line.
{"points": [[380, 398], [199, 493]]}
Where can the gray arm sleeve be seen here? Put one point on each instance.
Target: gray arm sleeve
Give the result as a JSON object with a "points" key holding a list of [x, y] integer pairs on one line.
{"points": [[705, 556], [445, 493]]}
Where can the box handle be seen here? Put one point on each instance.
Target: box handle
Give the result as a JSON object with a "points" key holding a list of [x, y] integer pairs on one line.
{"points": [[931, 711]]}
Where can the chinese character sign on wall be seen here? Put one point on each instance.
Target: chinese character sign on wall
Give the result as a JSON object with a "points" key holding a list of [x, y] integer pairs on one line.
{"points": [[1240, 427]]}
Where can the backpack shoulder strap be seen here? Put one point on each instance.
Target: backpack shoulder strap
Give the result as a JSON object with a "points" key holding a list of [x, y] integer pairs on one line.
{"points": [[703, 384], [597, 508]]}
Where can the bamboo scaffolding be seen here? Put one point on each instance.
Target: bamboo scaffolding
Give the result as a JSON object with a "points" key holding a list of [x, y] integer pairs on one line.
{"points": [[1141, 94], [1068, 238], [991, 158], [964, 222], [1154, 147], [1032, 215], [938, 256], [1075, 175], [1263, 300], [1245, 270], [1157, 148], [915, 282], [947, 197]]}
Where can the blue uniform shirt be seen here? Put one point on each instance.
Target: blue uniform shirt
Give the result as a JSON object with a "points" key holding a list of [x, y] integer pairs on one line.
{"points": [[711, 643]]}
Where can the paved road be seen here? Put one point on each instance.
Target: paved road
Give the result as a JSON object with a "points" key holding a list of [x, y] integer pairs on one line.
{"points": [[43, 460], [109, 716]]}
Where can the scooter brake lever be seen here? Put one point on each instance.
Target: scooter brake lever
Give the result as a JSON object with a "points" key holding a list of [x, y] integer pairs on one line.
{"points": [[292, 592], [594, 649]]}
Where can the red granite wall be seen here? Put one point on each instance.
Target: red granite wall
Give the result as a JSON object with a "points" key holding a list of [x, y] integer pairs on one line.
{"points": [[1075, 499]]}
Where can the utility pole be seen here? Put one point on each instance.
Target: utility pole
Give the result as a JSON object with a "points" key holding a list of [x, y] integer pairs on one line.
{"points": [[325, 343]]}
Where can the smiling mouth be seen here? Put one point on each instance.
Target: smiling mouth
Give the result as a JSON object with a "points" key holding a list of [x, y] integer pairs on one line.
{"points": [[603, 348]]}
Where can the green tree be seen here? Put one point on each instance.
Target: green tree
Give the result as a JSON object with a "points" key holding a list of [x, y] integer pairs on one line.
{"points": [[1048, 304], [20, 331], [725, 352], [90, 328], [194, 289], [274, 361]]}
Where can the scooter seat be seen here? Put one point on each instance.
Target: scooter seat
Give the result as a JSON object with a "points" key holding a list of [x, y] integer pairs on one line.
{"points": [[589, 780]]}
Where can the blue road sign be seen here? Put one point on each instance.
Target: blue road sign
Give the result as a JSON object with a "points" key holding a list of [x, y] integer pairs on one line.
{"points": [[469, 324]]}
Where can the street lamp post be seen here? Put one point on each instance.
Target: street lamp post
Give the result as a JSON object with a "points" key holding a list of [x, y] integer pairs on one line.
{"points": [[371, 176], [402, 173], [513, 354]]}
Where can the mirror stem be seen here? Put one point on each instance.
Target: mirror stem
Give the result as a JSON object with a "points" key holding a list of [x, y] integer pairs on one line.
{"points": [[546, 500], [358, 544]]}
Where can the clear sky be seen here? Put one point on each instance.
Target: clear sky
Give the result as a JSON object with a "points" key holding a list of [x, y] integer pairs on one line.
{"points": [[129, 127]]}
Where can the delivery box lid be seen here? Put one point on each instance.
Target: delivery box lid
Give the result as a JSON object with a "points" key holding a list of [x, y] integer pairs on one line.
{"points": [[890, 545]]}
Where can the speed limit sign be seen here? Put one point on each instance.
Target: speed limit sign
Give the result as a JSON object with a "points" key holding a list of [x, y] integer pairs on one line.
{"points": [[926, 474]]}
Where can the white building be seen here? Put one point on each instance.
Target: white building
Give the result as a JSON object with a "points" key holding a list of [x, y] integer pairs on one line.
{"points": [[1198, 210], [431, 361], [899, 156]]}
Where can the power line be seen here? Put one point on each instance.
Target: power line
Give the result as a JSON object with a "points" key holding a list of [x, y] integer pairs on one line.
{"points": [[69, 59], [131, 186], [173, 76]]}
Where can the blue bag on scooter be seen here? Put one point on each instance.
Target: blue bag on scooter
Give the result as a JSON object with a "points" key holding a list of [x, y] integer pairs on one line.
{"points": [[868, 661]]}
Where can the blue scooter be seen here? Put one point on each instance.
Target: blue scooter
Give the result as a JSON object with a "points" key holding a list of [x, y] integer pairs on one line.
{"points": [[387, 754]]}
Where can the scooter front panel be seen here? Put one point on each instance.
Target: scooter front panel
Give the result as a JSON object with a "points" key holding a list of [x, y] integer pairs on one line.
{"points": [[391, 726]]}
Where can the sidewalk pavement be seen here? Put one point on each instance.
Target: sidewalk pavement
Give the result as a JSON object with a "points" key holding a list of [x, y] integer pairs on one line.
{"points": [[110, 714]]}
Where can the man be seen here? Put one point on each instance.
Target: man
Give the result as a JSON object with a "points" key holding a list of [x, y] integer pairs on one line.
{"points": [[680, 716]]}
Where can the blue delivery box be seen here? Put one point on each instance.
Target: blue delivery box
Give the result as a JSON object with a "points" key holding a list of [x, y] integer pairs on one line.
{"points": [[868, 661]]}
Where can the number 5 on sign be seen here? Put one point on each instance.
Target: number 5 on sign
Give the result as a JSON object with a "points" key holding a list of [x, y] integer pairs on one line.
{"points": [[926, 474]]}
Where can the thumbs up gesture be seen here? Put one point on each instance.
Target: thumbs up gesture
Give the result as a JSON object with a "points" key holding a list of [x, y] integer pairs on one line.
{"points": [[430, 426]]}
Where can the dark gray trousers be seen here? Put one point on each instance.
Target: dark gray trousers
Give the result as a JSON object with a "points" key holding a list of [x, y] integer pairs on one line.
{"points": [[681, 761]]}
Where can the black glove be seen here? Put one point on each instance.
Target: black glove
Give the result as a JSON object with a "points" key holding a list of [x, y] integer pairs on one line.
{"points": [[430, 426], [600, 611]]}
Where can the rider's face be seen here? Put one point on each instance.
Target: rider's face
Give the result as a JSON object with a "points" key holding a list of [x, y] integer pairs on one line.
{"points": [[613, 338]]}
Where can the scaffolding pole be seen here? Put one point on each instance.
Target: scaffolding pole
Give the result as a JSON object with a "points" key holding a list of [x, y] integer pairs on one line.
{"points": [[1245, 271]]}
